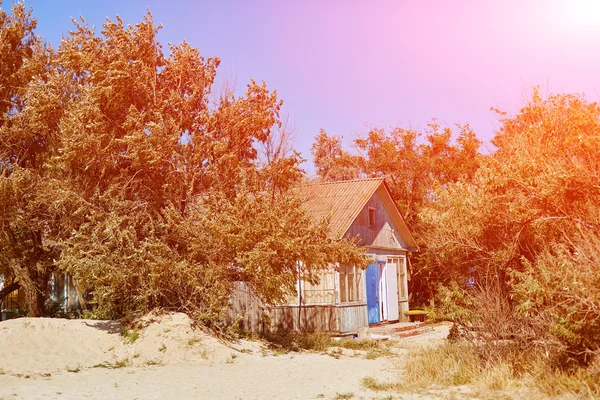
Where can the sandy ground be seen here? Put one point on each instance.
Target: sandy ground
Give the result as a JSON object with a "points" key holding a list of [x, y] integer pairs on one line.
{"points": [[82, 359]]}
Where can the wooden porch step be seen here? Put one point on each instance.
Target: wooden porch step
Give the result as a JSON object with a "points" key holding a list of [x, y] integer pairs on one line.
{"points": [[412, 332], [407, 328]]}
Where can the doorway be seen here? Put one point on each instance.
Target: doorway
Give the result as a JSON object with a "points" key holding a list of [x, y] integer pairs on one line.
{"points": [[382, 292]]}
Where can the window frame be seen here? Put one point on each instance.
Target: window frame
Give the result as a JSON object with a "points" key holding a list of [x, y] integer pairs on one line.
{"points": [[401, 276], [350, 288], [371, 217], [14, 300]]}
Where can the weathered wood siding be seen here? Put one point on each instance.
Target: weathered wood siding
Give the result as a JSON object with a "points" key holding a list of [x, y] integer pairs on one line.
{"points": [[381, 234], [249, 314], [382, 240], [246, 310], [332, 318], [321, 307], [352, 317], [323, 292], [309, 318]]}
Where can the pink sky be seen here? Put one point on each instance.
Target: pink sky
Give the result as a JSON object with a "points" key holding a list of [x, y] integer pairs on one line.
{"points": [[348, 66]]}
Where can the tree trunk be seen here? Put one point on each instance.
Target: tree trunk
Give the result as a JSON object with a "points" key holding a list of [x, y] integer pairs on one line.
{"points": [[82, 303], [35, 299], [431, 297], [35, 285]]}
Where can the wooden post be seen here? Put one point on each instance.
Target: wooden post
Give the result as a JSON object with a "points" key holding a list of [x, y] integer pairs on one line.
{"points": [[299, 298]]}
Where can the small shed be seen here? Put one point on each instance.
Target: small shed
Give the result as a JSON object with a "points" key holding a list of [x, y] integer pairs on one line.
{"points": [[348, 297]]}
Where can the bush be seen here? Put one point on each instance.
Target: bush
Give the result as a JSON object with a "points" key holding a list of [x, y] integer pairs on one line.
{"points": [[293, 341], [561, 291], [460, 363], [55, 308], [130, 335], [541, 332], [452, 304]]}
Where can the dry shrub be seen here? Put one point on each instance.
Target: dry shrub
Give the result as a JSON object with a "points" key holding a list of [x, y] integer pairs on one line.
{"points": [[378, 386], [580, 382], [501, 347], [362, 344], [286, 341], [495, 328], [561, 291], [462, 363], [447, 365]]}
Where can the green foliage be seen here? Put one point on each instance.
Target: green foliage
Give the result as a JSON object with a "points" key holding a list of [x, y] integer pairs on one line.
{"points": [[17, 43], [55, 308], [414, 163], [452, 304], [121, 168], [456, 364], [377, 386], [94, 315], [411, 164], [526, 228], [343, 396], [130, 335], [25, 254], [562, 289], [331, 162]]}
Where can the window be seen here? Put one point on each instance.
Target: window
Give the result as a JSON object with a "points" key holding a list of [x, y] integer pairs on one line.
{"points": [[371, 217], [14, 300], [343, 285], [322, 292], [350, 284]]}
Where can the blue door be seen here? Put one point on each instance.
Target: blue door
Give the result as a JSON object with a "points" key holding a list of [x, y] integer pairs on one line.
{"points": [[372, 278]]}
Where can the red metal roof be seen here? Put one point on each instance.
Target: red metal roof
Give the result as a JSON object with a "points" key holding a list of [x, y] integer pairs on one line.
{"points": [[342, 201]]}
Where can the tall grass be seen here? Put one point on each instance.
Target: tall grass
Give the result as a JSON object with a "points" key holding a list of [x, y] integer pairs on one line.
{"points": [[321, 341], [451, 364], [463, 363]]}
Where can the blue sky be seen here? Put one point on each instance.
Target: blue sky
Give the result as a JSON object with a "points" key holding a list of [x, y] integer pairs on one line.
{"points": [[348, 66]]}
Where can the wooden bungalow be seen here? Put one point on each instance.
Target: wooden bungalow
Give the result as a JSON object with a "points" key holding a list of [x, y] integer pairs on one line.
{"points": [[347, 297]]}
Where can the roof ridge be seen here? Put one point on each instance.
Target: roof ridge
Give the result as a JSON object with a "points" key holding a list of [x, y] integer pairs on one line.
{"points": [[343, 181]]}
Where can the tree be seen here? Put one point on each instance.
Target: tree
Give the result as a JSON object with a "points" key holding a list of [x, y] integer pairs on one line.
{"points": [[146, 188], [26, 254], [529, 219], [17, 43], [413, 167], [541, 181], [331, 162]]}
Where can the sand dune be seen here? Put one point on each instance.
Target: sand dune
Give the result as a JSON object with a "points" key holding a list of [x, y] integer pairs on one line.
{"points": [[44, 345], [74, 359]]}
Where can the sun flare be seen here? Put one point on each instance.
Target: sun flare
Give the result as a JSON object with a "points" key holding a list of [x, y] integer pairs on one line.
{"points": [[583, 13]]}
